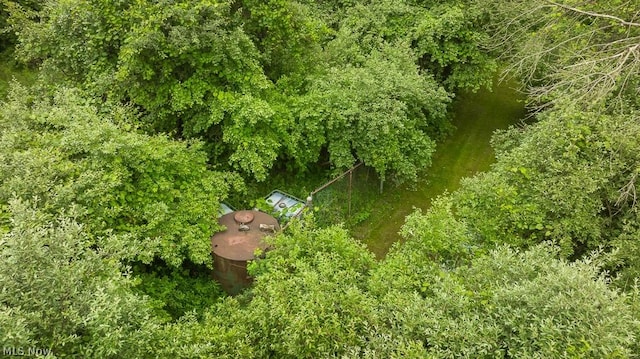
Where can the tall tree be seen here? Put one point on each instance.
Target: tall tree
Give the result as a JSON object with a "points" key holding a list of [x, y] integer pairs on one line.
{"points": [[62, 152], [570, 178], [24, 8], [382, 112], [310, 300], [234, 73], [62, 296], [503, 304], [446, 38]]}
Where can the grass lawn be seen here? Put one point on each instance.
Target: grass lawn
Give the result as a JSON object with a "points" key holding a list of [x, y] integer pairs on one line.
{"points": [[464, 153]]}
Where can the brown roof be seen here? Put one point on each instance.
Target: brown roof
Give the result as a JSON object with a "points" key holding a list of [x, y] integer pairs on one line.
{"points": [[243, 234]]}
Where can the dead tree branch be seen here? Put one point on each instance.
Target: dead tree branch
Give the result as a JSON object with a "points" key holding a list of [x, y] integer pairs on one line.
{"points": [[595, 14]]}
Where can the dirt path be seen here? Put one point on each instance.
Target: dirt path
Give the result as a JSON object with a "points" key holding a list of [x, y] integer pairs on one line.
{"points": [[464, 153]]}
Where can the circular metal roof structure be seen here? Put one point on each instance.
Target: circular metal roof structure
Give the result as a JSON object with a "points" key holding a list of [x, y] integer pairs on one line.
{"points": [[243, 217], [243, 235]]}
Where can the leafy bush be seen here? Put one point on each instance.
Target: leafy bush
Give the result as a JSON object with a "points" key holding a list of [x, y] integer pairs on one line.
{"points": [[176, 291], [65, 152], [60, 293]]}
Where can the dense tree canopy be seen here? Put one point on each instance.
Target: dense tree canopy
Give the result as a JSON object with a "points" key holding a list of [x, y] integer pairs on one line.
{"points": [[569, 178], [61, 153], [385, 103], [60, 295], [320, 294], [7, 35], [245, 76], [148, 114]]}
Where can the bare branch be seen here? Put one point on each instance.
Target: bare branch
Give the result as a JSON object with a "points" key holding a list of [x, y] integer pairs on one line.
{"points": [[628, 191], [551, 48], [595, 14]]}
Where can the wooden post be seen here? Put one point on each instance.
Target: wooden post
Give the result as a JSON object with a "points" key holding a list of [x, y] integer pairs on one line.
{"points": [[350, 180]]}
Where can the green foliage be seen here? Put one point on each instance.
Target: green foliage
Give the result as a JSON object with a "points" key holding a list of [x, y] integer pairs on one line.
{"points": [[221, 334], [568, 178], [435, 241], [176, 292], [380, 112], [298, 82], [255, 139], [15, 9], [571, 178], [76, 38], [438, 233], [509, 304], [157, 191], [501, 304], [60, 294], [549, 308], [585, 52], [11, 71], [308, 299], [308, 245], [320, 294], [187, 64], [288, 35], [266, 82], [445, 38]]}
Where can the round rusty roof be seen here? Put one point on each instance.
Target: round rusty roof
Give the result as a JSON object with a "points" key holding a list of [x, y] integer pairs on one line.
{"points": [[243, 216], [244, 233]]}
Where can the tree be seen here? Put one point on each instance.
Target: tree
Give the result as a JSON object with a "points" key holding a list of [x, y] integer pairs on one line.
{"points": [[505, 304], [309, 300], [245, 77], [319, 293], [381, 112], [446, 38], [569, 178], [433, 241], [189, 66], [24, 7], [62, 152], [220, 334], [61, 295], [585, 51], [289, 36]]}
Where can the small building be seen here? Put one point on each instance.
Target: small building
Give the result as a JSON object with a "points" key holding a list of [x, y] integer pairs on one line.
{"points": [[225, 209], [284, 204], [236, 245]]}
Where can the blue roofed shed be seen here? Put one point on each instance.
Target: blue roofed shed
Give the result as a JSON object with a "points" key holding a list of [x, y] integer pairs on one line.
{"points": [[285, 204]]}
